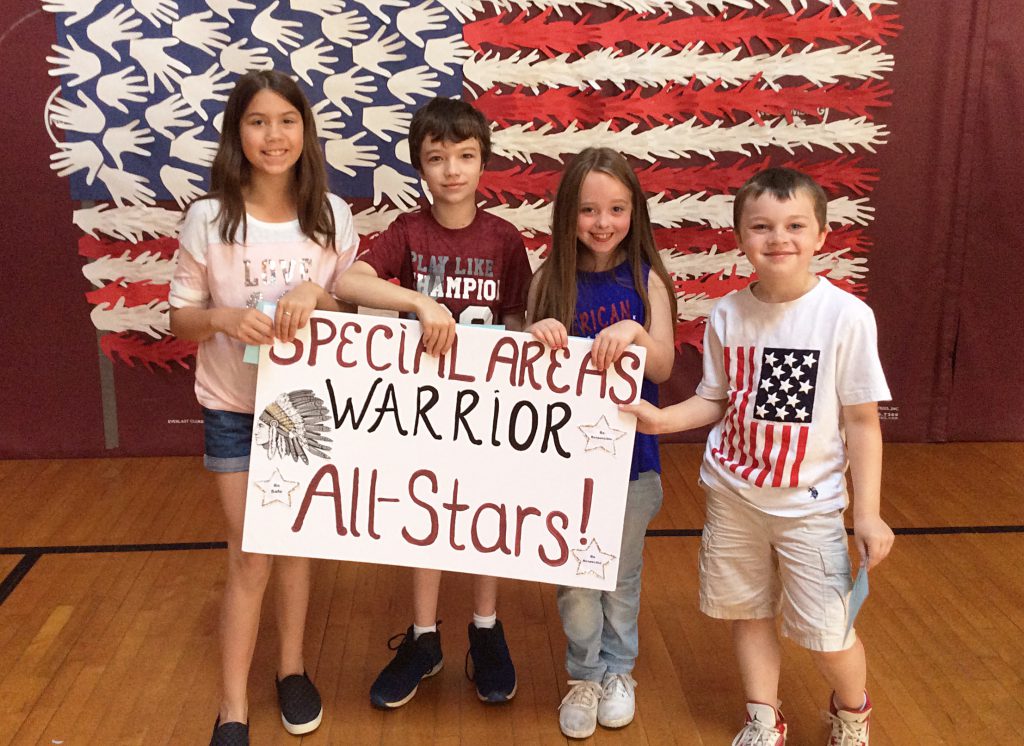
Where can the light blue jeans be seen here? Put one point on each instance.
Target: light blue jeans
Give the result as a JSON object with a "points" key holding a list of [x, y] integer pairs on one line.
{"points": [[601, 625]]}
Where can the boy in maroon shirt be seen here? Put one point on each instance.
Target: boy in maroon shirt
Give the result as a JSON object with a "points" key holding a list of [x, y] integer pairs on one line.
{"points": [[455, 264]]}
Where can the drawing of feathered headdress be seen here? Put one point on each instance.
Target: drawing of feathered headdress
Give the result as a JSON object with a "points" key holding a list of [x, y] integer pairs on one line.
{"points": [[294, 420]]}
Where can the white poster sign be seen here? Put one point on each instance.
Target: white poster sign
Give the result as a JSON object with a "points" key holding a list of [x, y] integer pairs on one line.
{"points": [[503, 457]]}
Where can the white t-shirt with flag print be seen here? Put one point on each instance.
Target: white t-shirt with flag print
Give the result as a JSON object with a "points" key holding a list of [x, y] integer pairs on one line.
{"points": [[786, 370]]}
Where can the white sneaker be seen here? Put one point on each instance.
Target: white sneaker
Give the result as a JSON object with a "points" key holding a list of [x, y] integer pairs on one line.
{"points": [[765, 726], [618, 701], [849, 727], [577, 715]]}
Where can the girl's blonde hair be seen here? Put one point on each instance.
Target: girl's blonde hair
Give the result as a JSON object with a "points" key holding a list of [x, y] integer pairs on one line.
{"points": [[231, 170], [555, 295]]}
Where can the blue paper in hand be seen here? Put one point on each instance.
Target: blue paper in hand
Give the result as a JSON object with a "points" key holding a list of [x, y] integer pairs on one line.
{"points": [[858, 594], [252, 352]]}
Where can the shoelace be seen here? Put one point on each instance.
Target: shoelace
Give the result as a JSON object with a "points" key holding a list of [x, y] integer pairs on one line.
{"points": [[582, 693], [405, 647], [405, 644], [849, 734], [395, 642], [756, 733], [619, 686]]}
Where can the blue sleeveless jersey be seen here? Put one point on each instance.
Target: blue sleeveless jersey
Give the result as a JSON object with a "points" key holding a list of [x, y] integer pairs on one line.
{"points": [[602, 299]]}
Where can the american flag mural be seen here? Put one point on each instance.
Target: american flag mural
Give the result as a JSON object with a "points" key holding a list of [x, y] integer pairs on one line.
{"points": [[698, 94], [764, 438]]}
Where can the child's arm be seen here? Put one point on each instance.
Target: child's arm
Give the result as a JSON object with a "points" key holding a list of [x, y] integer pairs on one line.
{"points": [[361, 285], [295, 306], [686, 415], [872, 535], [249, 325], [514, 322], [658, 340], [199, 324], [551, 332]]}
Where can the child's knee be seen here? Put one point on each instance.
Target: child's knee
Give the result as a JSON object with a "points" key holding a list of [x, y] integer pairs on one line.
{"points": [[839, 658], [580, 609], [287, 565], [830, 657], [251, 569]]}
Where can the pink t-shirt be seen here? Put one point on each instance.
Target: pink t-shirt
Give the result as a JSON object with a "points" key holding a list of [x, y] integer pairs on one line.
{"points": [[275, 258]]}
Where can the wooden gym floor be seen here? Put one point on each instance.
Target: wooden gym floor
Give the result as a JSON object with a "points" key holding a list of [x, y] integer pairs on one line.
{"points": [[111, 573]]}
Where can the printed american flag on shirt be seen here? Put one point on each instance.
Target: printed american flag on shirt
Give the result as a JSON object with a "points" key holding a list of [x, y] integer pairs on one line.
{"points": [[699, 94], [764, 439]]}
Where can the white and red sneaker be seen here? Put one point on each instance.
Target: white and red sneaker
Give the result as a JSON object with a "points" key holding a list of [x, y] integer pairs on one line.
{"points": [[849, 727], [765, 726]]}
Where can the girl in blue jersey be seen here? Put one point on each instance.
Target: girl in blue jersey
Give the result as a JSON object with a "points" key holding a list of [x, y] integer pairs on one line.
{"points": [[605, 280]]}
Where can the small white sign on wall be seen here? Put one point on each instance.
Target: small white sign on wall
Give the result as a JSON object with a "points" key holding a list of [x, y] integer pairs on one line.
{"points": [[503, 457]]}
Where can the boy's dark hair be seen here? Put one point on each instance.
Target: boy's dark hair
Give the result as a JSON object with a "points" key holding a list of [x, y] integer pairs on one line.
{"points": [[783, 184], [448, 119], [231, 171]]}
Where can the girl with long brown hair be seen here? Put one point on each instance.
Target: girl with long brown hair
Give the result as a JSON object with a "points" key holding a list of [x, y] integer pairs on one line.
{"points": [[604, 280], [268, 231]]}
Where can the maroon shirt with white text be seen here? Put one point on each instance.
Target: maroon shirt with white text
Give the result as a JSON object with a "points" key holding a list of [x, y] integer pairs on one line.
{"points": [[479, 273]]}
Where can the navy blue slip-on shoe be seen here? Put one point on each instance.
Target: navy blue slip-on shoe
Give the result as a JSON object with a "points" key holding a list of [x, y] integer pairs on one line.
{"points": [[230, 734], [301, 709]]}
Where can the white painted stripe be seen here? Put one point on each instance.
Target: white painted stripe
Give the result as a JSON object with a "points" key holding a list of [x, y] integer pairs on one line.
{"points": [[521, 142], [659, 66], [151, 319], [127, 223], [374, 219], [146, 266], [714, 211], [838, 264]]}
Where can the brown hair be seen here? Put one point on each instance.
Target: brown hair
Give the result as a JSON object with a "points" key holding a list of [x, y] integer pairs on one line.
{"points": [[782, 183], [231, 170], [451, 120], [556, 282]]}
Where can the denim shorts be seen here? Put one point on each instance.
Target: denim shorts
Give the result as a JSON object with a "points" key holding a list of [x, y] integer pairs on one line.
{"points": [[228, 437]]}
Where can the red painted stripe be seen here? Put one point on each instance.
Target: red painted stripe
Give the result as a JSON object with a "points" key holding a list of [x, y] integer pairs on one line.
{"points": [[737, 382], [753, 450], [766, 455], [134, 293], [137, 348], [801, 450], [552, 34], [747, 393], [837, 176], [727, 427], [95, 248], [780, 464], [673, 102]]}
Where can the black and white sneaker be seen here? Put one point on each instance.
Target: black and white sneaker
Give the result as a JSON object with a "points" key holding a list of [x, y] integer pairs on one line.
{"points": [[489, 665], [416, 658]]}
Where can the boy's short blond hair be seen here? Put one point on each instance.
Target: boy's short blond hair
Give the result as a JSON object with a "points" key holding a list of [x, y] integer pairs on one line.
{"points": [[448, 120], [782, 183]]}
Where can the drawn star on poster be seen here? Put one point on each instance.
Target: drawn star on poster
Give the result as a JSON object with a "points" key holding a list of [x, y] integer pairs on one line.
{"points": [[601, 436], [591, 560], [277, 489]]}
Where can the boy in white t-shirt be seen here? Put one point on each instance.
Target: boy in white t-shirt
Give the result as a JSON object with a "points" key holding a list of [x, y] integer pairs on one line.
{"points": [[792, 377]]}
